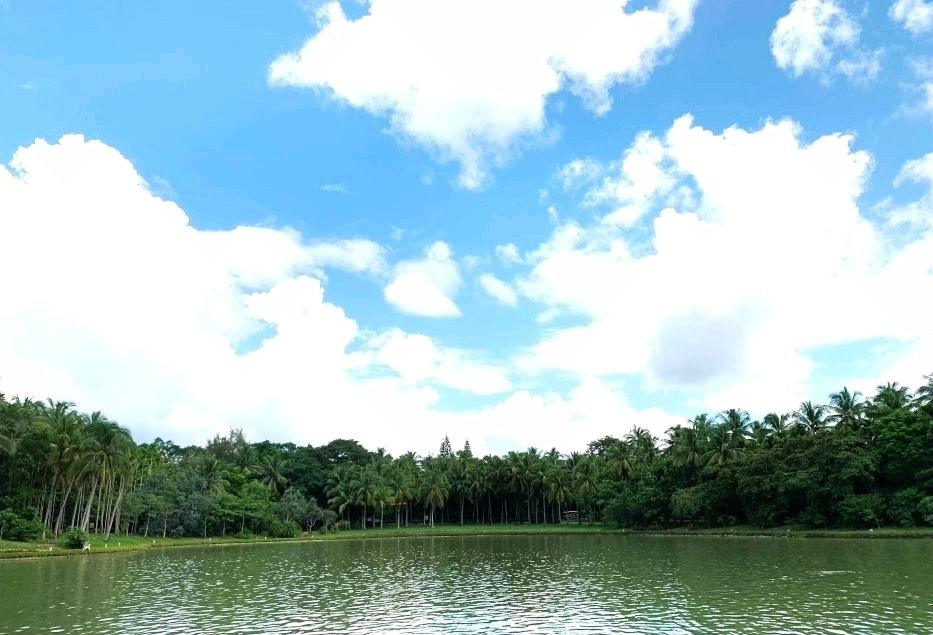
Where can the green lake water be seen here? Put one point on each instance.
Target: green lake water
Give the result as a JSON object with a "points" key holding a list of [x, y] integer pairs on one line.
{"points": [[477, 584]]}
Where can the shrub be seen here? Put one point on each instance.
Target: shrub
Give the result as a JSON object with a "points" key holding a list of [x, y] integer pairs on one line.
{"points": [[903, 508], [925, 507], [24, 529], [74, 538]]}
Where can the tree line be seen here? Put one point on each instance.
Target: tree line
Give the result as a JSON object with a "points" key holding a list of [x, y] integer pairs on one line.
{"points": [[853, 462]]}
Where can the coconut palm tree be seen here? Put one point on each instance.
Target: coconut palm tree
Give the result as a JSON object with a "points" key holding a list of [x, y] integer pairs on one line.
{"points": [[65, 456], [810, 418], [725, 446], [15, 417], [339, 487], [433, 489], [846, 409], [559, 486], [924, 395], [585, 479], [621, 459], [890, 397], [779, 424], [364, 489], [760, 433], [401, 483], [110, 456], [737, 422], [687, 446], [273, 467], [643, 444]]}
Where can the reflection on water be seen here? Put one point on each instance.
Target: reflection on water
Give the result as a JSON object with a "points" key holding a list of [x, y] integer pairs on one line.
{"points": [[502, 584]]}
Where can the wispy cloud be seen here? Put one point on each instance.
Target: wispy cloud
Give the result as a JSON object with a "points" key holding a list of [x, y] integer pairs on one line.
{"points": [[340, 188]]}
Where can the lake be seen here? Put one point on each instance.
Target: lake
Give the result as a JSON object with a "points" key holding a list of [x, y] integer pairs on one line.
{"points": [[482, 584]]}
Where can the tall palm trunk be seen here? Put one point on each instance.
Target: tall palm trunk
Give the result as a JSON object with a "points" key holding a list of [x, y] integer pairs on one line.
{"points": [[86, 521]]}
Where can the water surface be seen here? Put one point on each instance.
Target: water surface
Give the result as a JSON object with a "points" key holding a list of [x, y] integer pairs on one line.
{"points": [[482, 584]]}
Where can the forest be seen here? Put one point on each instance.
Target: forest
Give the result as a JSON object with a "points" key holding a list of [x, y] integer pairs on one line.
{"points": [[856, 462]]}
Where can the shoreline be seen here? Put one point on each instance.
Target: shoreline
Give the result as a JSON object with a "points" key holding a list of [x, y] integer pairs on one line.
{"points": [[9, 550]]}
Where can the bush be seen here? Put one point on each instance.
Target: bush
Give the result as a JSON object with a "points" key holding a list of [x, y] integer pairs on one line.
{"points": [[862, 510], [23, 529], [281, 529], [925, 507], [903, 507], [74, 538]]}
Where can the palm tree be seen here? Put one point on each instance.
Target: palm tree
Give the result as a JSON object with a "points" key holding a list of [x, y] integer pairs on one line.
{"points": [[724, 446], [110, 455], [559, 486], [339, 487], [760, 433], [779, 424], [621, 459], [585, 479], [643, 444], [924, 396], [273, 467], [64, 458], [365, 488], [434, 489], [737, 422], [810, 418], [687, 446], [846, 409], [247, 459], [890, 397], [15, 417], [701, 424], [400, 481], [213, 473]]}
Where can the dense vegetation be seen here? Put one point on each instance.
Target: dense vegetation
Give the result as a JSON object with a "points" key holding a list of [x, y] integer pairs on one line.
{"points": [[852, 463]]}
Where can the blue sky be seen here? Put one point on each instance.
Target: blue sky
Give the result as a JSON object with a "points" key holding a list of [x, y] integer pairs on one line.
{"points": [[519, 223]]}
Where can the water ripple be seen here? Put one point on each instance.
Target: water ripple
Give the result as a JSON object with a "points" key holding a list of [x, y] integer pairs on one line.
{"points": [[505, 584]]}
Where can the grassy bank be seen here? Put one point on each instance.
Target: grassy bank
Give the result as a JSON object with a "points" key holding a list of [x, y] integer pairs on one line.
{"points": [[10, 549]]}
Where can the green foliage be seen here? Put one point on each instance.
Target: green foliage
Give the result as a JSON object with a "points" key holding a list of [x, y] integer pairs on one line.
{"points": [[904, 507], [925, 509], [851, 462], [74, 538], [15, 527], [862, 510]]}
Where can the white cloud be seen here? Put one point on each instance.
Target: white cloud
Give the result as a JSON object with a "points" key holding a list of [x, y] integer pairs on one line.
{"points": [[914, 15], [508, 253], [470, 80], [425, 286], [498, 289], [771, 258], [119, 304], [417, 359], [918, 213], [123, 306], [641, 178], [820, 36], [338, 188], [579, 172], [592, 409]]}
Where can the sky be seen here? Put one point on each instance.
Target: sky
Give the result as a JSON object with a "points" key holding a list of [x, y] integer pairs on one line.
{"points": [[515, 223]]}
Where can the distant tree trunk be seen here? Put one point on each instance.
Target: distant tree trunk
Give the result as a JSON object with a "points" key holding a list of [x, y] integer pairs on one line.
{"points": [[86, 521]]}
